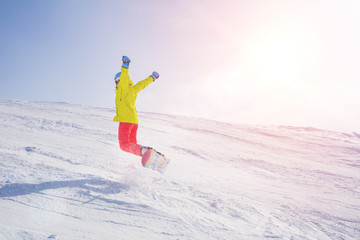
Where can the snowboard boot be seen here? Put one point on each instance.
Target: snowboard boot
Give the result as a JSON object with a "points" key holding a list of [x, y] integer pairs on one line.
{"points": [[144, 149]]}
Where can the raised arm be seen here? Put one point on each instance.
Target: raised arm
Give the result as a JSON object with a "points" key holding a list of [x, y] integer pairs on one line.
{"points": [[144, 83], [124, 77]]}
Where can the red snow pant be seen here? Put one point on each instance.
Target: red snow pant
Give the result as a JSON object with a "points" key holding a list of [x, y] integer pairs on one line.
{"points": [[127, 138]]}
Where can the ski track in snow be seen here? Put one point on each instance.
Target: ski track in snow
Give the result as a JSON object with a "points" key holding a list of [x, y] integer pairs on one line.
{"points": [[63, 176]]}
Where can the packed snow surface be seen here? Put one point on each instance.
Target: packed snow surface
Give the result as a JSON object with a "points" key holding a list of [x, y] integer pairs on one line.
{"points": [[63, 176]]}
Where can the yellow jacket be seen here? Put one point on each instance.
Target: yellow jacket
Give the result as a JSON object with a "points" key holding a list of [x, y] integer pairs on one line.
{"points": [[126, 94]]}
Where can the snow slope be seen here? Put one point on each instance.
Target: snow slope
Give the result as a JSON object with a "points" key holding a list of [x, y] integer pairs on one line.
{"points": [[63, 176]]}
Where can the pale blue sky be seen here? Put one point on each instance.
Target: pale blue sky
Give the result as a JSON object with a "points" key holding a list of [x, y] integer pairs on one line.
{"points": [[256, 62]]}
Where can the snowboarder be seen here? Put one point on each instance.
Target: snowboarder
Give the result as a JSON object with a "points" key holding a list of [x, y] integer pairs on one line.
{"points": [[126, 113]]}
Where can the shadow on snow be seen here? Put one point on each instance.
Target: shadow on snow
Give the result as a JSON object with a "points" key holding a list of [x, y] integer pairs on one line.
{"points": [[95, 185], [89, 186]]}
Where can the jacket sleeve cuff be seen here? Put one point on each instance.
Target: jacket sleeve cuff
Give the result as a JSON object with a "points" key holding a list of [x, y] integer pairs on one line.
{"points": [[124, 69]]}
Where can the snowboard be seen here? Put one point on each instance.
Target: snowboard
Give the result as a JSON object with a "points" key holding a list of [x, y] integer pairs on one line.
{"points": [[155, 161]]}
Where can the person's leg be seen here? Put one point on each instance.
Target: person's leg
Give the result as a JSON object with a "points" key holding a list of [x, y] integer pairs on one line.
{"points": [[133, 134], [127, 138]]}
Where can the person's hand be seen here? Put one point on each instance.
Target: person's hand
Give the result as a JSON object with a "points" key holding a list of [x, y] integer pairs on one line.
{"points": [[155, 75], [126, 62]]}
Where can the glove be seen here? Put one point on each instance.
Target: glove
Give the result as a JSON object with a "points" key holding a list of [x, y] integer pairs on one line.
{"points": [[126, 62], [155, 75]]}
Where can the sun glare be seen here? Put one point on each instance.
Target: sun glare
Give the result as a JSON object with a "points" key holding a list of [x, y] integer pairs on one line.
{"points": [[279, 55], [276, 58]]}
